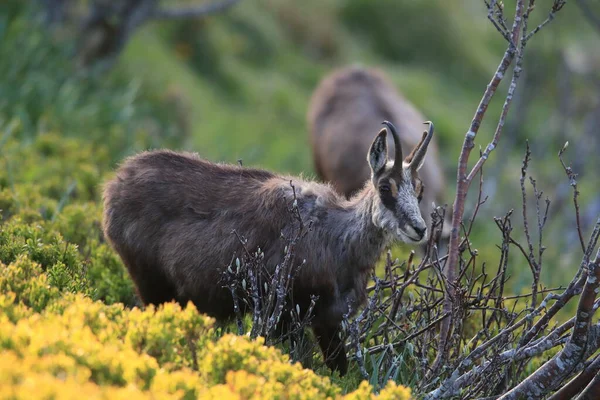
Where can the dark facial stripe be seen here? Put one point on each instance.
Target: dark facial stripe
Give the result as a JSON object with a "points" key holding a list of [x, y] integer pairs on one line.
{"points": [[388, 200], [388, 197]]}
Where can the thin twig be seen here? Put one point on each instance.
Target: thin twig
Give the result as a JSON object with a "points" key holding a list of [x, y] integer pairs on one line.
{"points": [[573, 182]]}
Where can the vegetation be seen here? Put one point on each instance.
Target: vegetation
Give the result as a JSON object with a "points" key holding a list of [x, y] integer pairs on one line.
{"points": [[77, 347], [232, 87]]}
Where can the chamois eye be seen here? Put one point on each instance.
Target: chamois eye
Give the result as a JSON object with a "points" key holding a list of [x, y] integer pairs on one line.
{"points": [[385, 188]]}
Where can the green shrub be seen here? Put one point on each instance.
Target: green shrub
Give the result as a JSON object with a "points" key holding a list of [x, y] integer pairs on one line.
{"points": [[42, 90], [26, 280], [87, 266]]}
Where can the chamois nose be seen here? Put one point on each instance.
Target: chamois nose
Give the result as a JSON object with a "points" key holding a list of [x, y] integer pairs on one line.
{"points": [[420, 231]]}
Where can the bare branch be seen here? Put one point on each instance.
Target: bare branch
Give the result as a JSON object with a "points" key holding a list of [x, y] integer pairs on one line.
{"points": [[573, 182], [591, 391], [463, 183], [551, 374], [495, 15], [572, 289], [556, 7], [571, 389], [499, 128], [109, 25]]}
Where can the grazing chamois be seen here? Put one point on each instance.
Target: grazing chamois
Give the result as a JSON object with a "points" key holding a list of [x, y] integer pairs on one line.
{"points": [[342, 108], [170, 217]]}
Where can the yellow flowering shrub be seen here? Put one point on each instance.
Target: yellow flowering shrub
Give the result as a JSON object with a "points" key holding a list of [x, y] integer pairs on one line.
{"points": [[24, 279], [266, 364], [71, 254], [10, 309], [57, 262], [171, 335], [285, 382], [58, 377], [77, 347], [391, 392]]}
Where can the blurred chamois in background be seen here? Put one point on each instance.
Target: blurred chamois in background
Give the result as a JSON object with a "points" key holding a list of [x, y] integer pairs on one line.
{"points": [[343, 109]]}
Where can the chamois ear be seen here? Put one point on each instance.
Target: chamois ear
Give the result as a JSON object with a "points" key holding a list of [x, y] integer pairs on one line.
{"points": [[378, 153]]}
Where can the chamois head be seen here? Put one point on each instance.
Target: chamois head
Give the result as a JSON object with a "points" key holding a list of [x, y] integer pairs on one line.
{"points": [[398, 186]]}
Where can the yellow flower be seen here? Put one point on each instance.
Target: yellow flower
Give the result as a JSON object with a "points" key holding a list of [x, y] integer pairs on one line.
{"points": [[79, 348]]}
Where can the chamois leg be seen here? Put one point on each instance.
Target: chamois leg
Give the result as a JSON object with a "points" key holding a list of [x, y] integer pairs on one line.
{"points": [[332, 347], [156, 289], [152, 285]]}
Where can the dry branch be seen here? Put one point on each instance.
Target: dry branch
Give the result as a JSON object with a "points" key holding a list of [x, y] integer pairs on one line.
{"points": [[552, 373], [463, 181], [269, 294], [591, 391], [572, 176], [571, 389]]}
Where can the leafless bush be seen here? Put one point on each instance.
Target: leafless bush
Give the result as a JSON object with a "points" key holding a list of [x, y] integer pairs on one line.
{"points": [[268, 295], [495, 335]]}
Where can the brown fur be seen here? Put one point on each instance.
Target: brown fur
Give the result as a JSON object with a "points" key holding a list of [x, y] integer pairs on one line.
{"points": [[344, 106], [170, 216]]}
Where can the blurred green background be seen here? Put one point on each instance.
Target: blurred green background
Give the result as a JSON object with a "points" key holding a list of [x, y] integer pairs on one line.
{"points": [[236, 85]]}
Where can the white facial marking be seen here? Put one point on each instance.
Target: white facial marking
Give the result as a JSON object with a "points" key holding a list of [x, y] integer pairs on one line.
{"points": [[406, 221]]}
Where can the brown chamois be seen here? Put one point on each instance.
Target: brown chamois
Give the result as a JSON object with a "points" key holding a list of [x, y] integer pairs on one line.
{"points": [[170, 216], [345, 103]]}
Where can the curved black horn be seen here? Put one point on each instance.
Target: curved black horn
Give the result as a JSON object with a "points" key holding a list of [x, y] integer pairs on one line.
{"points": [[421, 149], [397, 145]]}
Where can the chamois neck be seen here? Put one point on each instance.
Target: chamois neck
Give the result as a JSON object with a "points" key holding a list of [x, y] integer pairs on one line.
{"points": [[363, 240]]}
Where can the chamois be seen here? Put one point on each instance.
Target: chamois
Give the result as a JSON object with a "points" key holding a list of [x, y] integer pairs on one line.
{"points": [[345, 103], [170, 217]]}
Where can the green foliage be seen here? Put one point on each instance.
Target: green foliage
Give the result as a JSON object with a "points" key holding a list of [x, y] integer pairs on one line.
{"points": [[25, 279], [62, 130], [59, 259], [43, 90], [80, 263], [419, 32], [54, 223]]}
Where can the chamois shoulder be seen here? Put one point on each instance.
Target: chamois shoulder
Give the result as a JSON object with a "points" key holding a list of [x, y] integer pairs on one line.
{"points": [[307, 192]]}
